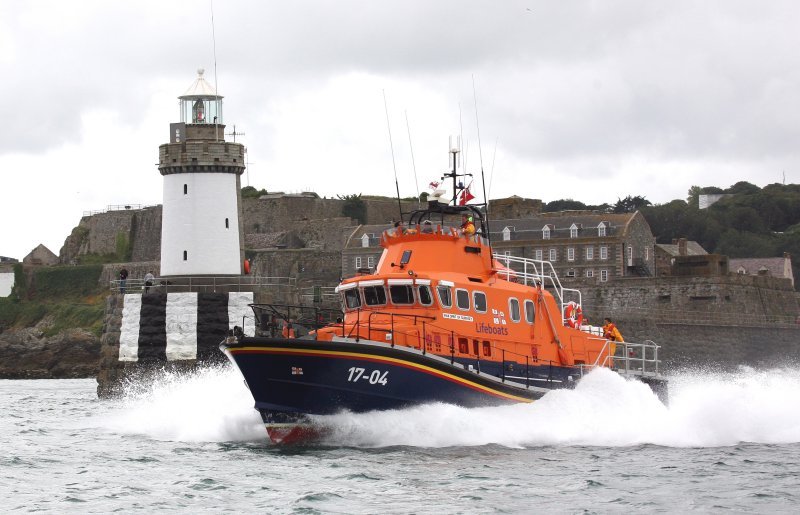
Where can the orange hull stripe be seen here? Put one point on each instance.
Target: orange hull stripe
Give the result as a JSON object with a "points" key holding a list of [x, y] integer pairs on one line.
{"points": [[379, 359]]}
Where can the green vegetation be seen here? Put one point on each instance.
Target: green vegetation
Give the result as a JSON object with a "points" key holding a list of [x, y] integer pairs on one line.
{"points": [[251, 192], [354, 207], [72, 296], [753, 222]]}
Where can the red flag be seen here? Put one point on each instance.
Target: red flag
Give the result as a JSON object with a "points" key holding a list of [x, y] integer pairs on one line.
{"points": [[466, 196]]}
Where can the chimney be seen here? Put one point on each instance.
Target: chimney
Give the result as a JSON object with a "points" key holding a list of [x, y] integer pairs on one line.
{"points": [[682, 247]]}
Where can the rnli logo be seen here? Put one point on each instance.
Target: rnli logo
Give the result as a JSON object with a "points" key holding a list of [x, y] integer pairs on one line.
{"points": [[297, 371], [455, 316]]}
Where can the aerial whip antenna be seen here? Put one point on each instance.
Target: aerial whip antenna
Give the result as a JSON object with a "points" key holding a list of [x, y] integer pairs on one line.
{"points": [[411, 147], [480, 155], [216, 87], [391, 146]]}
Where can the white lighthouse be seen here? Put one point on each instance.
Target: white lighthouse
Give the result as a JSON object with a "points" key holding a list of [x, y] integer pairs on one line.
{"points": [[200, 232]]}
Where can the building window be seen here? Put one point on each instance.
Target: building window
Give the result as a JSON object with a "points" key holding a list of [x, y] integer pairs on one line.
{"points": [[479, 300], [545, 233], [507, 233], [601, 229], [571, 272], [630, 256], [185, 256], [227, 225], [462, 299], [358, 262], [513, 309], [647, 253], [603, 275], [589, 253], [552, 254], [573, 231], [603, 252], [590, 273], [185, 189], [365, 240], [570, 254], [370, 261], [539, 254]]}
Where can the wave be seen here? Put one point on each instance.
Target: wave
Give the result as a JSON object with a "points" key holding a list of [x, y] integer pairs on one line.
{"points": [[705, 410]]}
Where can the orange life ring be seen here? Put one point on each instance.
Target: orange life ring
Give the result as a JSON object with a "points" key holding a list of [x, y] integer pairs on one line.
{"points": [[573, 315], [247, 266]]}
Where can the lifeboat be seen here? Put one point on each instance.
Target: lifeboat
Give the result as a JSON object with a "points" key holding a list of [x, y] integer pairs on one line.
{"points": [[440, 319]]}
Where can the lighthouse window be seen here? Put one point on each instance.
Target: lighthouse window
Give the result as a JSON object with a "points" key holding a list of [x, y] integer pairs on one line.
{"points": [[513, 309], [462, 299], [445, 296], [401, 294], [425, 297], [185, 189], [529, 311], [185, 255], [351, 299], [375, 295], [226, 224], [479, 298]]}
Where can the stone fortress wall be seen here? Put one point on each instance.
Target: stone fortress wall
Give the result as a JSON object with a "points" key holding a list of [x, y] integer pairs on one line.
{"points": [[722, 319]]}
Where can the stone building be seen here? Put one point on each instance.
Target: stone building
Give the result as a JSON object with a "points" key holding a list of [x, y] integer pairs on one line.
{"points": [[580, 244], [40, 256], [779, 267], [6, 275], [594, 246], [687, 258]]}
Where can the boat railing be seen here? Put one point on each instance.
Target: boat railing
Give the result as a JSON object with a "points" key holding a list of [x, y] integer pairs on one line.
{"points": [[424, 340], [537, 272], [628, 358]]}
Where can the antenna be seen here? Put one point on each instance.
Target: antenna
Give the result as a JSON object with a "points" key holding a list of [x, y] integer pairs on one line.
{"points": [[391, 146], [480, 154], [234, 134], [216, 86], [413, 164]]}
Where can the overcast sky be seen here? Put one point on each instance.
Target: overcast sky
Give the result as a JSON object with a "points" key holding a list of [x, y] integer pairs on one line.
{"points": [[589, 100]]}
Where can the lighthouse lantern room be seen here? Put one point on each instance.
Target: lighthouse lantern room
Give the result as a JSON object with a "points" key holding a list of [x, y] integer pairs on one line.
{"points": [[200, 228]]}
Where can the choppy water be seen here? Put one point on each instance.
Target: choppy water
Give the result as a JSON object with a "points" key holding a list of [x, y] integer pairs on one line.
{"points": [[188, 444]]}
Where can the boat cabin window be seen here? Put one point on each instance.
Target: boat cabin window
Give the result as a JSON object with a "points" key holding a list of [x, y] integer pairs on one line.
{"points": [[425, 297], [487, 348], [375, 295], [463, 346], [462, 299], [479, 299], [529, 311], [352, 299], [445, 296], [401, 294], [513, 309]]}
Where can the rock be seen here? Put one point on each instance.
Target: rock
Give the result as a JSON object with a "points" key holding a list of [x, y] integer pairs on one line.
{"points": [[28, 354]]}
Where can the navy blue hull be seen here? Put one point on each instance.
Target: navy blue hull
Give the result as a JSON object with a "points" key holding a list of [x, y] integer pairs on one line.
{"points": [[298, 377]]}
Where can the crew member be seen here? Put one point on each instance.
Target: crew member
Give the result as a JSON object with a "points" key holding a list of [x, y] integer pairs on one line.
{"points": [[467, 226], [611, 332], [288, 330]]}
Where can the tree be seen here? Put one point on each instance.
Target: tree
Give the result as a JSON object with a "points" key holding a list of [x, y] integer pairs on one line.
{"points": [[354, 207], [743, 187], [563, 205], [631, 204], [251, 192]]}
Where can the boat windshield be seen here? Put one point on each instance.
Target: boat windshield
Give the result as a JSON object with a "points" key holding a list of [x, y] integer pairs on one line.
{"points": [[375, 295]]}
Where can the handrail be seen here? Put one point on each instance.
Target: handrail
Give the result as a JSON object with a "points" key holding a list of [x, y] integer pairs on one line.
{"points": [[202, 283], [536, 272]]}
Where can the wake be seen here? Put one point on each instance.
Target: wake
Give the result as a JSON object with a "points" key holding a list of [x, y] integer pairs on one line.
{"points": [[705, 410]]}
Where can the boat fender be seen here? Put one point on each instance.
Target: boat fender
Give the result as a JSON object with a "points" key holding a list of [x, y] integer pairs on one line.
{"points": [[573, 314], [247, 266]]}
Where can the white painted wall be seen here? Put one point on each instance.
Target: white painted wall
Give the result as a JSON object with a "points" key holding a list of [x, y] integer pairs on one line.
{"points": [[6, 283], [195, 222]]}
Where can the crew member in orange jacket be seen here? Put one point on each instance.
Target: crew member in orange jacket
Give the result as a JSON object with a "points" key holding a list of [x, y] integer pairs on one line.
{"points": [[611, 332], [467, 227], [288, 330]]}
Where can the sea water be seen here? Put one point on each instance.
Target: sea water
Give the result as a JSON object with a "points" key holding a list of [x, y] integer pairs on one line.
{"points": [[194, 444]]}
